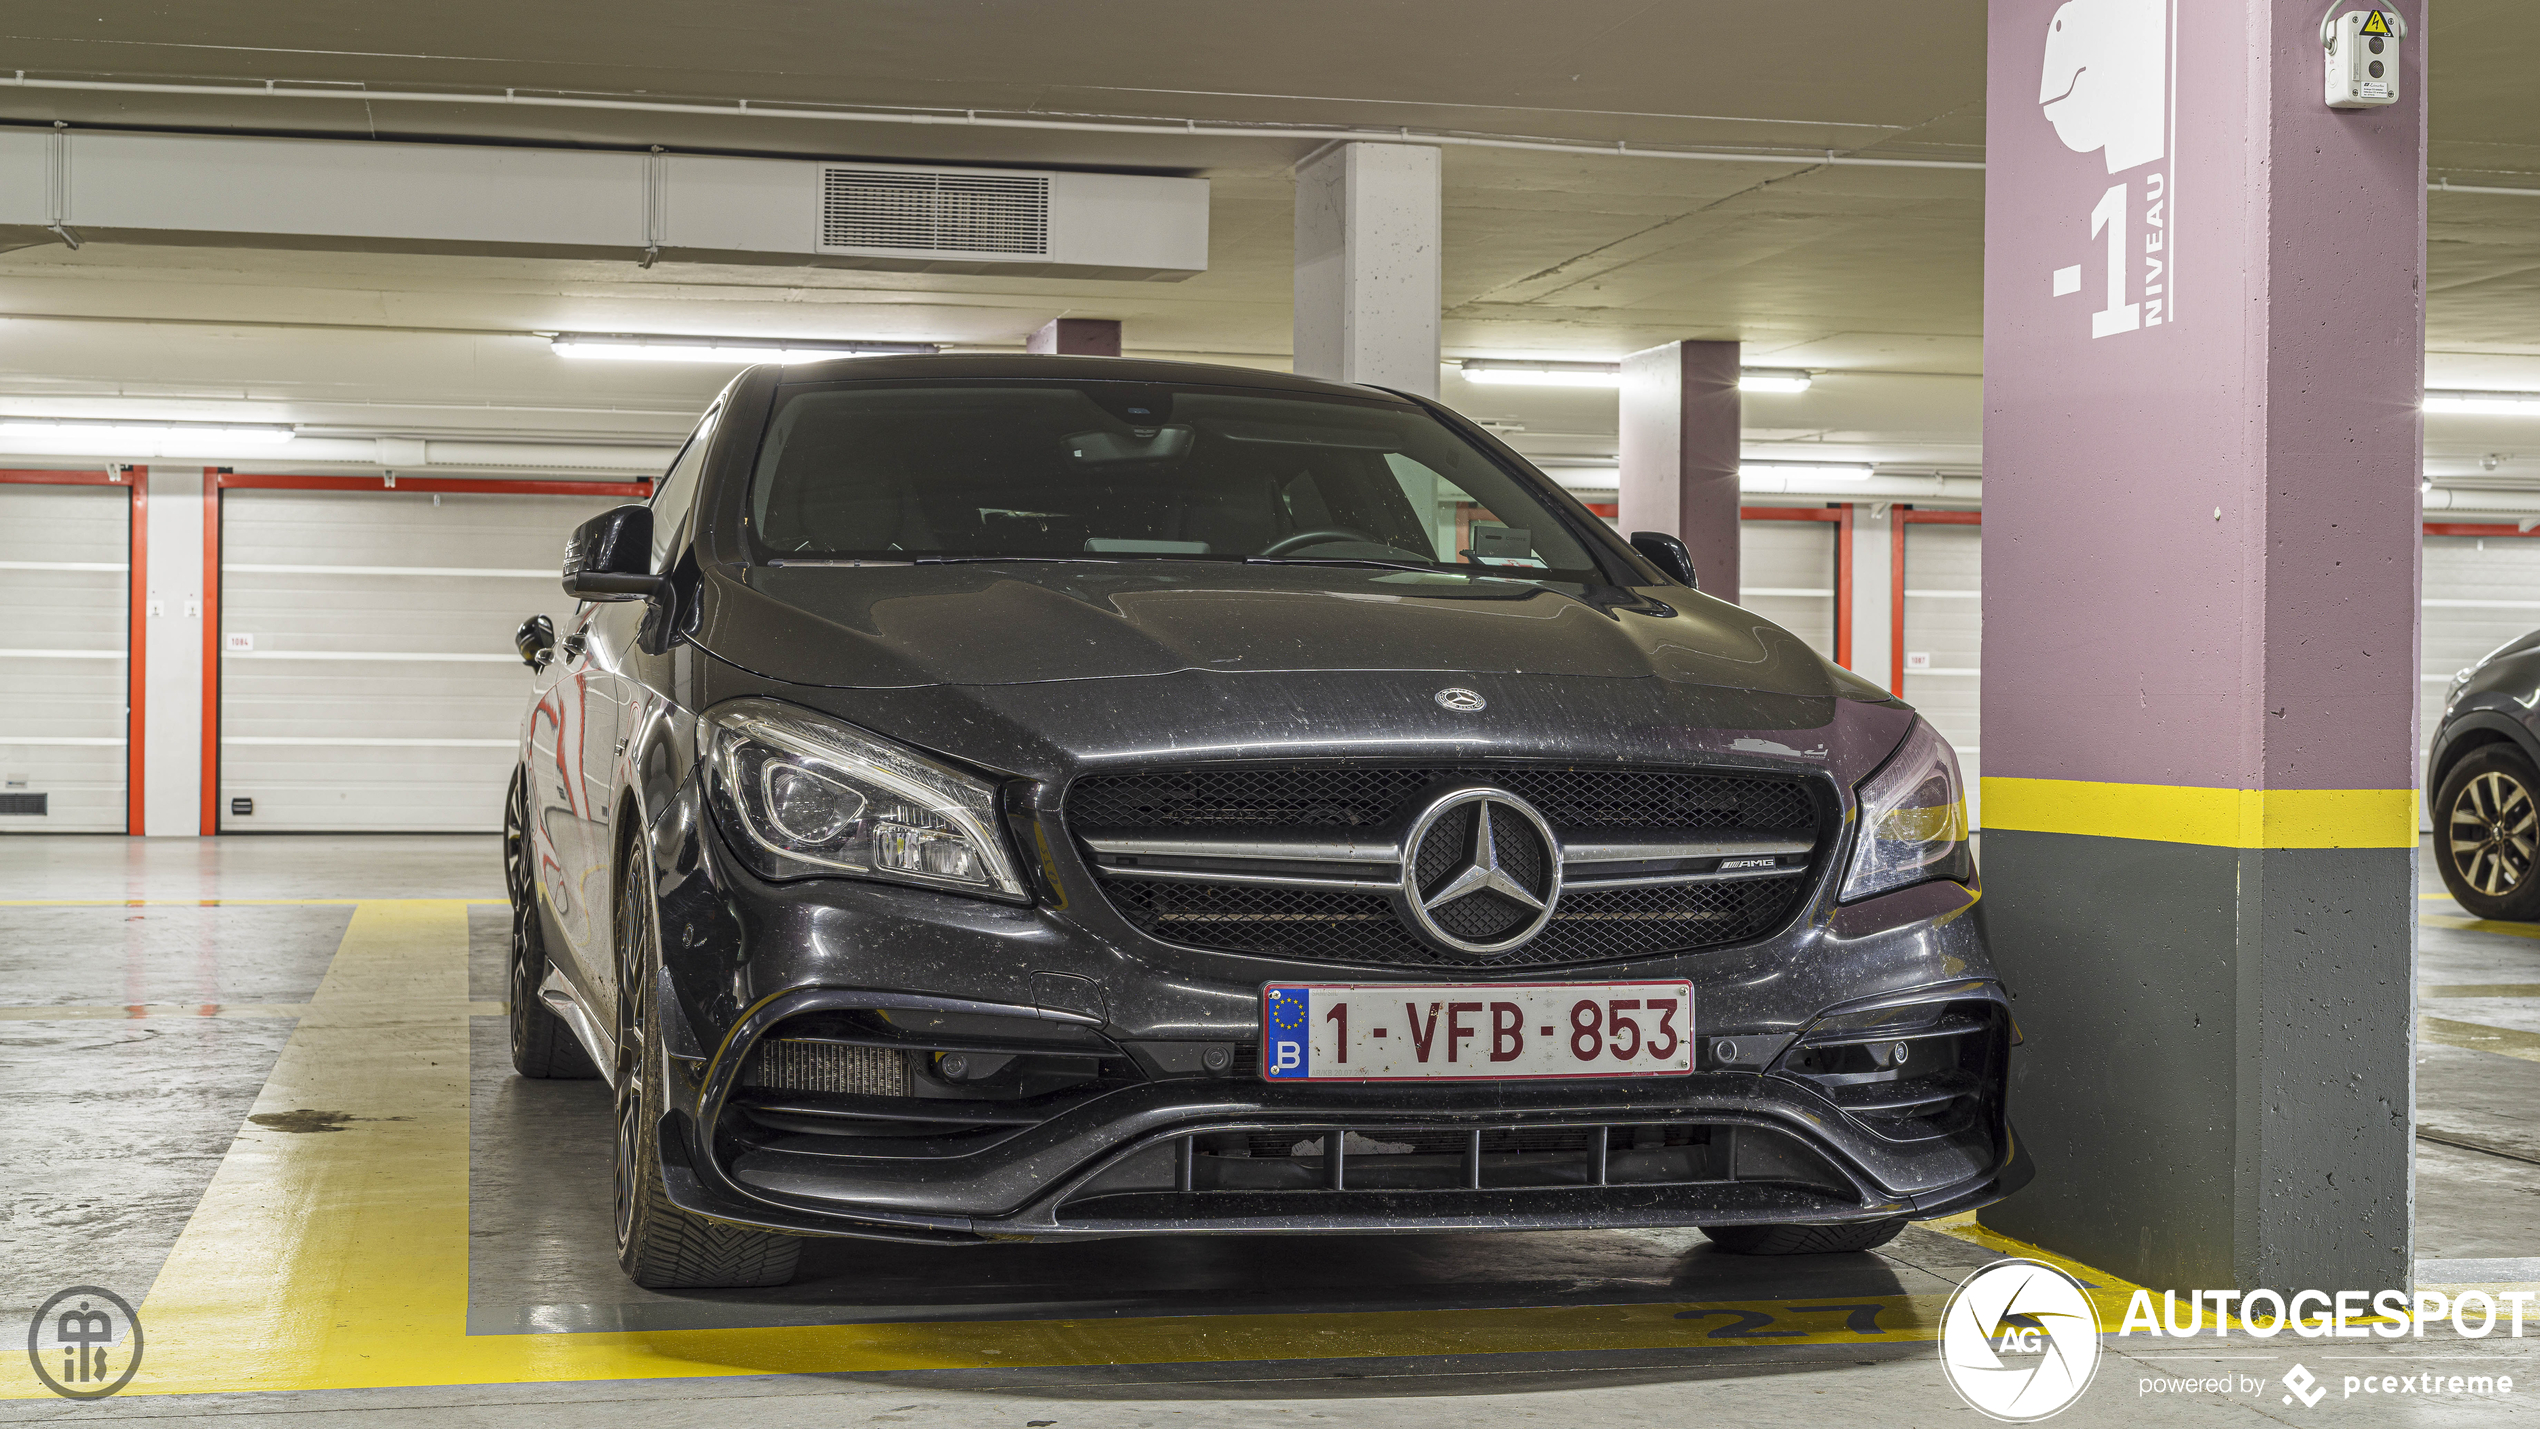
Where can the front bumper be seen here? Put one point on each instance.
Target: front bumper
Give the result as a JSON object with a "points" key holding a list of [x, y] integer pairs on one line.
{"points": [[1773, 1127], [1232, 1153]]}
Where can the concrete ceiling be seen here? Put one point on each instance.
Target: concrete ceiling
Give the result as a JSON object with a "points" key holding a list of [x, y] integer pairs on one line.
{"points": [[1857, 269]]}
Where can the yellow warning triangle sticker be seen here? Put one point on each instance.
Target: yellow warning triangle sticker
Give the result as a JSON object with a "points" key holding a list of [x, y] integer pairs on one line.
{"points": [[2375, 23]]}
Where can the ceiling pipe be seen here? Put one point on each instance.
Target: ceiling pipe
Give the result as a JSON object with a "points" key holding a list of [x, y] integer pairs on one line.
{"points": [[2473, 500], [971, 119], [1166, 128]]}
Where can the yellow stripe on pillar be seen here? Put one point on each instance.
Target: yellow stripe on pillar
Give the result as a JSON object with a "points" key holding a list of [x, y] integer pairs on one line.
{"points": [[2219, 818]]}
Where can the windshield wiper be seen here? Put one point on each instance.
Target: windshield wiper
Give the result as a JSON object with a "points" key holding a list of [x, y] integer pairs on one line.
{"points": [[1431, 570], [981, 560]]}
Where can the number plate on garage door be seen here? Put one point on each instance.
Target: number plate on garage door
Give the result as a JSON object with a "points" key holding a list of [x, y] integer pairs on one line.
{"points": [[1402, 1032]]}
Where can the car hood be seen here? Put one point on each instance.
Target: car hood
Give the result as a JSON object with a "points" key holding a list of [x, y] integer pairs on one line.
{"points": [[881, 627]]}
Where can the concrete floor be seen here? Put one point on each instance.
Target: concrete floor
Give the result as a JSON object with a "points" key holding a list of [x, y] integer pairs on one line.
{"points": [[154, 1051]]}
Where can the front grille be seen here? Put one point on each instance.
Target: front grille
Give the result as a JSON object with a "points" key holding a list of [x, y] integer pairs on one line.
{"points": [[1278, 918], [1364, 797], [1587, 926]]}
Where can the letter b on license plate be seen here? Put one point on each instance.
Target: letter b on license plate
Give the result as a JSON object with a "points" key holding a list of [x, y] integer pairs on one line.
{"points": [[1388, 1032]]}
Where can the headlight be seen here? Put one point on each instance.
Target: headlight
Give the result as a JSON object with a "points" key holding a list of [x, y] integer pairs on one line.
{"points": [[2460, 679], [814, 798], [1913, 819]]}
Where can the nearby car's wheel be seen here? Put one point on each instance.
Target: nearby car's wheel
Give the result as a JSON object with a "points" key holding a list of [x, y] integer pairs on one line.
{"points": [[1804, 1240], [542, 1046], [2487, 833], [661, 1246]]}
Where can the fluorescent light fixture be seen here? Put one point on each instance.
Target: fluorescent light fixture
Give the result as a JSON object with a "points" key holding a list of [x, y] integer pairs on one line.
{"points": [[2485, 404], [1772, 379], [72, 430], [1805, 471], [1509, 372], [624, 347]]}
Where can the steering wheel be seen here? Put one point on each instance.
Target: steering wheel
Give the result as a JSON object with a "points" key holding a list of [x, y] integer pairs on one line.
{"points": [[1303, 539]]}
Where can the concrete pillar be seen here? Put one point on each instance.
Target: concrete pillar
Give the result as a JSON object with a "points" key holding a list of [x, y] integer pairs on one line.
{"points": [[2203, 356], [172, 670], [1367, 275], [1076, 337], [1681, 416]]}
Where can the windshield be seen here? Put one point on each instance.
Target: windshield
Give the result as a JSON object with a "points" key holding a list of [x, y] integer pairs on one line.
{"points": [[1131, 471]]}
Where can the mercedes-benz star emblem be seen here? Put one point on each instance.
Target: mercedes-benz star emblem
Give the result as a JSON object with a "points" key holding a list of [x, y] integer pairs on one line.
{"points": [[1461, 700], [1482, 872]]}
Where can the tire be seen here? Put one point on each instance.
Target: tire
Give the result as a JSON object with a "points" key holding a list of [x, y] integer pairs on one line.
{"points": [[2487, 833], [1804, 1240], [661, 1246], [542, 1046]]}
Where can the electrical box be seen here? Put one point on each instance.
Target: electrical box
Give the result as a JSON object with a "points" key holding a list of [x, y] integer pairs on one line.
{"points": [[2363, 58]]}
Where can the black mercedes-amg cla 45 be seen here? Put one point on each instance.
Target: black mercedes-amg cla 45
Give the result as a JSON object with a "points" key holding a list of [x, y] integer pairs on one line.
{"points": [[994, 798]]}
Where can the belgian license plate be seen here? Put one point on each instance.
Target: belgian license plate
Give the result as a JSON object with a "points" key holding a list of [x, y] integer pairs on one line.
{"points": [[1403, 1032]]}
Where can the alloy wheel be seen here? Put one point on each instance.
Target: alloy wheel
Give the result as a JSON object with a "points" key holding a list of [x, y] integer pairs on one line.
{"points": [[2494, 832]]}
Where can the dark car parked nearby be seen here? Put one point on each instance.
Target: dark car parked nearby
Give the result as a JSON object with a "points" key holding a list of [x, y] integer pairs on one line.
{"points": [[2484, 769], [993, 798]]}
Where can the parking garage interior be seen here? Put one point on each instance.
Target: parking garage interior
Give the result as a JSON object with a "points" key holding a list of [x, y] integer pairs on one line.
{"points": [[322, 331]]}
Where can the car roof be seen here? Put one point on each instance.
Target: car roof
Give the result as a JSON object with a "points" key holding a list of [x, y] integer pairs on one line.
{"points": [[1080, 369]]}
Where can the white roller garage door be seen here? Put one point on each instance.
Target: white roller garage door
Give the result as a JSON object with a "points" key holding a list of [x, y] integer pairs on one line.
{"points": [[64, 568], [1944, 639], [368, 679], [1786, 575], [2480, 591]]}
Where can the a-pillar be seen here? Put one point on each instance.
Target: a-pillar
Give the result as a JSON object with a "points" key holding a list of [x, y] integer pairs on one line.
{"points": [[1679, 450], [172, 666], [2203, 331], [1367, 274]]}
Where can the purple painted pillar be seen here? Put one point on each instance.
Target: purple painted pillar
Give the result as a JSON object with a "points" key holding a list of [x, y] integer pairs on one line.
{"points": [[2204, 338], [1679, 453]]}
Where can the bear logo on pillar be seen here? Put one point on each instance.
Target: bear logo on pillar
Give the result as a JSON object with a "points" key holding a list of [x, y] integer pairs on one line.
{"points": [[2105, 83]]}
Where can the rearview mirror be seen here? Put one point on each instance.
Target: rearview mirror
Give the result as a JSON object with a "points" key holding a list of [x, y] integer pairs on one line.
{"points": [[1667, 554], [536, 641], [610, 557]]}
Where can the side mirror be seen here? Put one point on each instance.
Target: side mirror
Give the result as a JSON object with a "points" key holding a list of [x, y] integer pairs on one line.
{"points": [[610, 557], [536, 640], [1667, 554]]}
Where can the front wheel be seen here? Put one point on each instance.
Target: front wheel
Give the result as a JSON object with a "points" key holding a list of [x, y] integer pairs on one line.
{"points": [[1804, 1240], [2487, 833], [661, 1246]]}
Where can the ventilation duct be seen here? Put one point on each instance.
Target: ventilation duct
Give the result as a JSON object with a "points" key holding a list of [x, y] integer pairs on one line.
{"points": [[222, 190]]}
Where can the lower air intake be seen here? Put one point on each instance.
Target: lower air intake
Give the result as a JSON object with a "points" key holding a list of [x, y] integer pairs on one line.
{"points": [[827, 1067]]}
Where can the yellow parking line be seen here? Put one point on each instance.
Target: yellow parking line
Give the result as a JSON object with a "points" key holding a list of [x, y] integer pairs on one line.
{"points": [[2479, 925], [220, 902], [341, 1261], [2481, 989], [86, 1012], [2477, 1037]]}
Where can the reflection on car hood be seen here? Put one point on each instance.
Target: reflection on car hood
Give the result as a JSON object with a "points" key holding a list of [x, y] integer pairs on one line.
{"points": [[904, 626]]}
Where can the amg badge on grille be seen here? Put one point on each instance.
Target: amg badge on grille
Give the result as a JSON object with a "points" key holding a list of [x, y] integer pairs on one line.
{"points": [[1483, 874]]}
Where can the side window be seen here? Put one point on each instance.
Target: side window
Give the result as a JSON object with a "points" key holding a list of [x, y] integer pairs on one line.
{"points": [[676, 492]]}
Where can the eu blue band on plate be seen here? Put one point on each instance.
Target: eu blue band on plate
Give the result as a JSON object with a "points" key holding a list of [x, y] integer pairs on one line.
{"points": [[1286, 1022]]}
